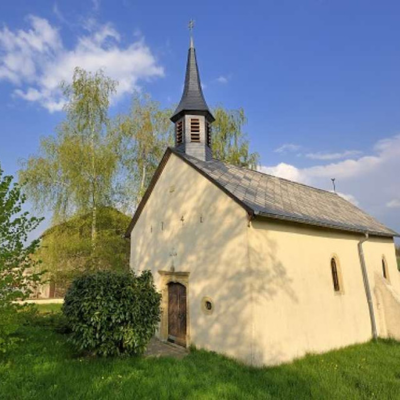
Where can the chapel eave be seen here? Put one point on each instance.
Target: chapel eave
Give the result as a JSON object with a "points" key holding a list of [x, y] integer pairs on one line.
{"points": [[332, 200]]}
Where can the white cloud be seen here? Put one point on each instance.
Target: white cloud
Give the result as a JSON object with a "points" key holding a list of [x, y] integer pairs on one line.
{"points": [[395, 203], [22, 52], [285, 171], [372, 180], [287, 147], [349, 197], [223, 79], [36, 60], [333, 156], [344, 169], [341, 170]]}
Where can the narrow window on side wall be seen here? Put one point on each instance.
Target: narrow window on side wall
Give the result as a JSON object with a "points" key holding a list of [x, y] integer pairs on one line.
{"points": [[385, 272], [335, 275]]}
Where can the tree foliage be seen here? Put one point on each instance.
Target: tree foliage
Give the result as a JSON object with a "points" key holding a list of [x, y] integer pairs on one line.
{"points": [[229, 142], [66, 250], [143, 135], [146, 131], [74, 172], [112, 313], [93, 162], [17, 266]]}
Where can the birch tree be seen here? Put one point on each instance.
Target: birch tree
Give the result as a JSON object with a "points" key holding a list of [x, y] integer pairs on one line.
{"points": [[229, 142], [75, 170], [146, 131], [144, 134], [92, 162]]}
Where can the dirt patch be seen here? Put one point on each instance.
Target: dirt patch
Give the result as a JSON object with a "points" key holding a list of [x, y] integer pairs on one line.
{"points": [[157, 348]]}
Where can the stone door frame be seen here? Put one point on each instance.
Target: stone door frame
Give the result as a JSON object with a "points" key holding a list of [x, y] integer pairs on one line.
{"points": [[167, 277]]}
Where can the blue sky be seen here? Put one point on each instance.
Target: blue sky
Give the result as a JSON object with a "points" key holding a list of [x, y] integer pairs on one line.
{"points": [[319, 79]]}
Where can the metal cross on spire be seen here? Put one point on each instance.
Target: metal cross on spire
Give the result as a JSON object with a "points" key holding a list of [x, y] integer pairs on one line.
{"points": [[191, 26]]}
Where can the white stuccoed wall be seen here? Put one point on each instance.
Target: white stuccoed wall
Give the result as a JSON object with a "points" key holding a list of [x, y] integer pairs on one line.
{"points": [[270, 282]]}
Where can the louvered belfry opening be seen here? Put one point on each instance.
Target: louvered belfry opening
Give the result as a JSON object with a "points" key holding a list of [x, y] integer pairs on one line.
{"points": [[195, 130], [179, 132], [208, 134]]}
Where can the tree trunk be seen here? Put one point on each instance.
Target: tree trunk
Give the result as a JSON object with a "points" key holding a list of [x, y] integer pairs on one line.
{"points": [[142, 183], [94, 233], [94, 204]]}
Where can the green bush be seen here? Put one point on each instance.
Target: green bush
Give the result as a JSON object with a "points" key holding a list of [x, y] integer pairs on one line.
{"points": [[17, 264], [112, 313]]}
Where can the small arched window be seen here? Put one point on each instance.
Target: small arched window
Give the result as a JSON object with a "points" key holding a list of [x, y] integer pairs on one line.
{"points": [[384, 268], [335, 275]]}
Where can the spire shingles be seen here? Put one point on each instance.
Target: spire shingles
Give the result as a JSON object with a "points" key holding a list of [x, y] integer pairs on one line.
{"points": [[192, 98]]}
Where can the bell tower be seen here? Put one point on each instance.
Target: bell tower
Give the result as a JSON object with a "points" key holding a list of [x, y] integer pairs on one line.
{"points": [[192, 118]]}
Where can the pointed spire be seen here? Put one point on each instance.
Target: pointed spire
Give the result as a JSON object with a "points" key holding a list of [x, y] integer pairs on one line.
{"points": [[192, 97]]}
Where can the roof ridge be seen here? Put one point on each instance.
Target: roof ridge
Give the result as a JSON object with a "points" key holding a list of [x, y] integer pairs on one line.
{"points": [[350, 222], [308, 187], [298, 183]]}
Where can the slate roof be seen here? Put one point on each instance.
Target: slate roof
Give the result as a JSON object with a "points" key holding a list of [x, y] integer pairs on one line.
{"points": [[192, 97], [269, 196]]}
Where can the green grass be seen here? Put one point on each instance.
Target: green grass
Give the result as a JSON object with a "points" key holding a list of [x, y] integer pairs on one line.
{"points": [[45, 308], [46, 367]]}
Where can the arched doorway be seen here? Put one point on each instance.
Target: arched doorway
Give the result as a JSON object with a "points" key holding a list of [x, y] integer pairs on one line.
{"points": [[177, 314]]}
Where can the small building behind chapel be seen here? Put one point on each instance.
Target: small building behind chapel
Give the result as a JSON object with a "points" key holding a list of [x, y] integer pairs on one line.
{"points": [[253, 266]]}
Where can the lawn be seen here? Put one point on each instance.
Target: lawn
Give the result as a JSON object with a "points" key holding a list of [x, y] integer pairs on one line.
{"points": [[46, 367], [48, 308]]}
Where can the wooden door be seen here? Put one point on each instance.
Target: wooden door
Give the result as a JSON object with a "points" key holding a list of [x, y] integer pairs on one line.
{"points": [[177, 313], [52, 290]]}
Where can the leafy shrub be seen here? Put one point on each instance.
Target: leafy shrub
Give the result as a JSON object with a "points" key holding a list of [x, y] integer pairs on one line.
{"points": [[112, 313], [17, 266]]}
